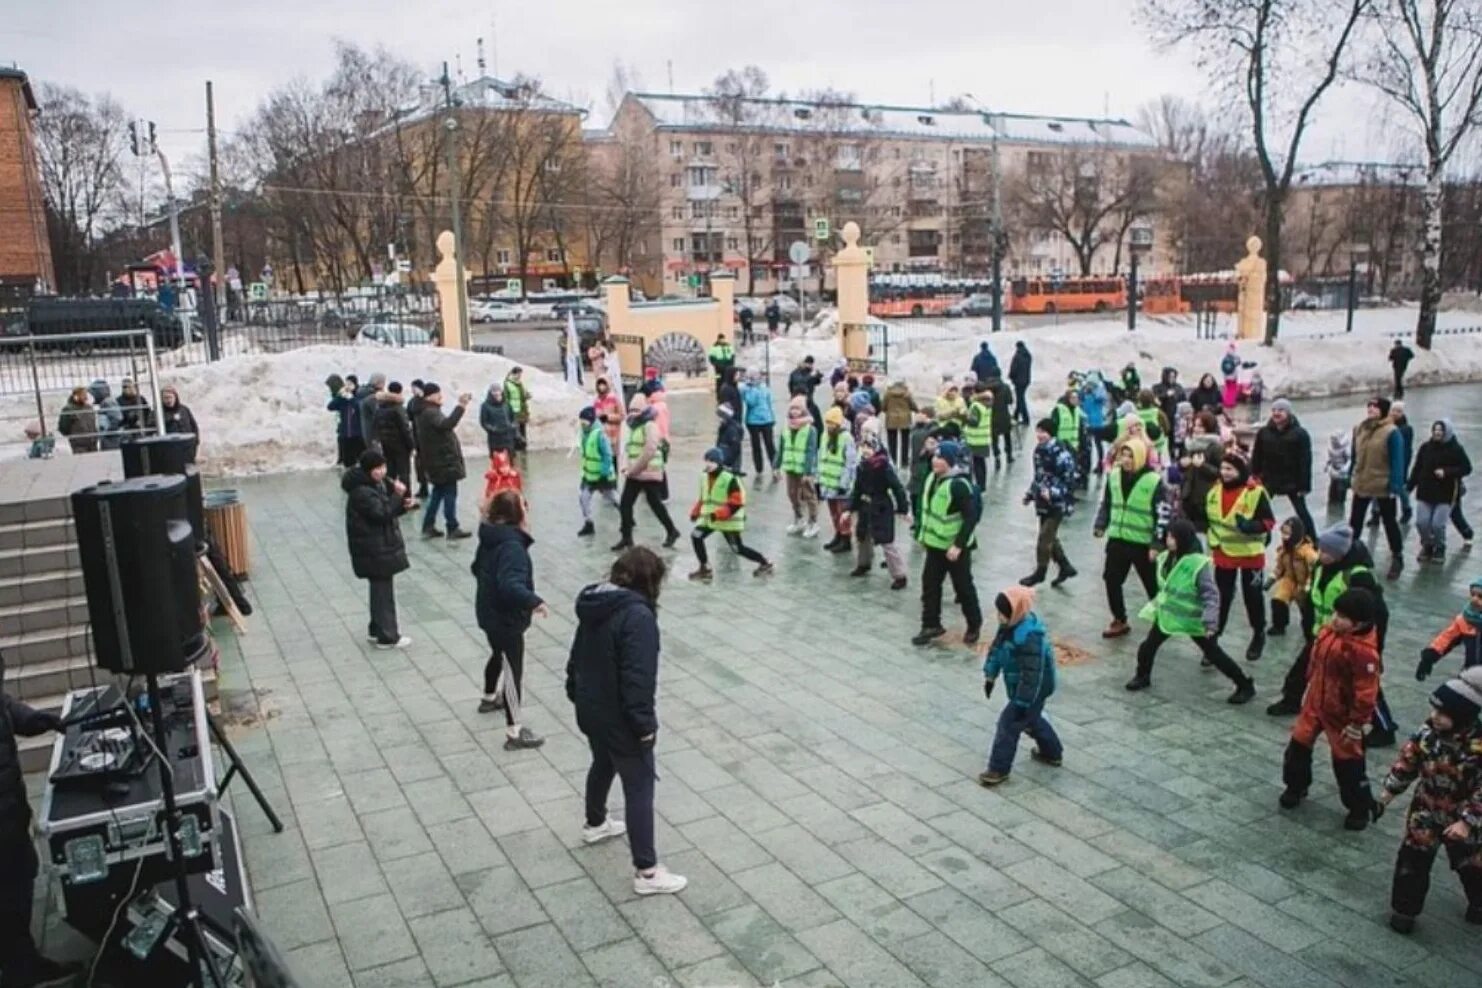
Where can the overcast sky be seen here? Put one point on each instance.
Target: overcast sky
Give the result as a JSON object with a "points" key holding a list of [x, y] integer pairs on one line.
{"points": [[1069, 57]]}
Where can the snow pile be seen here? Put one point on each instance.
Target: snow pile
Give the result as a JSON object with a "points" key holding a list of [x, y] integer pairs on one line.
{"points": [[266, 413], [1314, 356]]}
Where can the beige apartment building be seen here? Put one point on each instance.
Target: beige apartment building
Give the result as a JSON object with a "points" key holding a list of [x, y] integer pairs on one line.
{"points": [[1361, 213], [742, 179]]}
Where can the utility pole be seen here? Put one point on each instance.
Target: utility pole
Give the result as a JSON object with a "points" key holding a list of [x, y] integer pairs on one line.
{"points": [[144, 144], [451, 125], [218, 250], [997, 238]]}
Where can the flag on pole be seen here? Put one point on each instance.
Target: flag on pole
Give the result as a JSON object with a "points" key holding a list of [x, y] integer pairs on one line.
{"points": [[572, 348]]}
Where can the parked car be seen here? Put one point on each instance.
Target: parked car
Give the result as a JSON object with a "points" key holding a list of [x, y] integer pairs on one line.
{"points": [[972, 305], [58, 317], [560, 309], [491, 311], [394, 334], [1302, 300]]}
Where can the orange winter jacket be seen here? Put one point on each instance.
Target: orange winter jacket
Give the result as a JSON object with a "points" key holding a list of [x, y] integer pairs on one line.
{"points": [[1343, 677], [1460, 632]]}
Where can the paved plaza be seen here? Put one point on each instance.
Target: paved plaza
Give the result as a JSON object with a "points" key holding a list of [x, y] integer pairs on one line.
{"points": [[817, 779]]}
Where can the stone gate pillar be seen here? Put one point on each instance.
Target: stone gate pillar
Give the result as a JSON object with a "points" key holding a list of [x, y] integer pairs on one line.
{"points": [[852, 278]]}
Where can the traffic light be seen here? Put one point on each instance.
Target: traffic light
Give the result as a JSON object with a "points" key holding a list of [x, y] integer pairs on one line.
{"points": [[134, 138]]}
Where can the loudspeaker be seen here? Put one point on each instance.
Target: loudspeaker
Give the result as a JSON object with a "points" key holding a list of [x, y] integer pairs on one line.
{"points": [[145, 455], [139, 572]]}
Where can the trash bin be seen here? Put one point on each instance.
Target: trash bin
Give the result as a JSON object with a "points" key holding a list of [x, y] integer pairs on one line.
{"points": [[226, 521]]}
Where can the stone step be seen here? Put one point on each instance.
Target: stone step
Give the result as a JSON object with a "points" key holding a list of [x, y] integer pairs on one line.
{"points": [[33, 587], [45, 645], [39, 615], [35, 681], [50, 531], [28, 560], [35, 509]]}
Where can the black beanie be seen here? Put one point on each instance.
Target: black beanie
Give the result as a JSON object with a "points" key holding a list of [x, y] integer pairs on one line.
{"points": [[430, 388], [1001, 603], [1046, 425], [371, 459], [394, 387], [1356, 604]]}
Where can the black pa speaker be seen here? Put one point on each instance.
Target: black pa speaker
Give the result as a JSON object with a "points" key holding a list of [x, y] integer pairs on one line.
{"points": [[175, 453], [139, 572]]}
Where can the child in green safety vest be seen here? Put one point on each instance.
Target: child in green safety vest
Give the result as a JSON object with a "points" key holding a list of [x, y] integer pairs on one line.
{"points": [[837, 459], [721, 507], [800, 467], [1188, 603], [1132, 516], [518, 397], [977, 431], [1070, 431], [950, 510], [598, 468], [1238, 511]]}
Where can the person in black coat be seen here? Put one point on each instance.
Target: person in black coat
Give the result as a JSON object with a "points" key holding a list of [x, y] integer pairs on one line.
{"points": [[20, 962], [612, 680], [505, 600], [878, 497], [178, 419], [1399, 360], [377, 552], [1003, 415], [1281, 459], [1435, 479], [497, 421], [415, 404], [1019, 373], [394, 432], [1207, 396], [437, 438]]}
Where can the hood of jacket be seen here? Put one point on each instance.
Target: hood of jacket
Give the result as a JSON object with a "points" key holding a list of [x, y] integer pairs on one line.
{"points": [[601, 601], [1447, 432], [898, 388], [1021, 602], [355, 477], [1170, 375], [99, 390], [494, 536]]}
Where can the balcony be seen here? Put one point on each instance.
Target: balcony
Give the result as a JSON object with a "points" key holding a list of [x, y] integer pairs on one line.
{"points": [[704, 193]]}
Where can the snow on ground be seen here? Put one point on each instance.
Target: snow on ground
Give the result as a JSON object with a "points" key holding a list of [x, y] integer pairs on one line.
{"points": [[1313, 357]]}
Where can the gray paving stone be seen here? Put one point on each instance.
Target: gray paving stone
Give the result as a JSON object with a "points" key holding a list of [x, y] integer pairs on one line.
{"points": [[709, 891], [318, 965], [803, 854], [855, 959], [504, 811], [1169, 908], [910, 835], [294, 915], [278, 859], [466, 845], [371, 932], [422, 885], [941, 963], [500, 900], [1253, 916], [1135, 975], [583, 915], [761, 945], [987, 841], [670, 930], [1038, 969], [395, 833], [785, 897], [625, 964], [539, 857], [1182, 962], [436, 800], [1061, 935], [725, 844], [978, 932], [888, 866], [454, 947], [327, 822], [410, 973], [538, 956], [987, 886], [1053, 883], [373, 790], [347, 872], [1256, 960]]}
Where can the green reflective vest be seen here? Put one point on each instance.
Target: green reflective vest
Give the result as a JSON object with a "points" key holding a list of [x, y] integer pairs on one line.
{"points": [[637, 439], [1324, 597], [831, 464], [1149, 418], [591, 456], [1133, 516], [1178, 608], [795, 450], [514, 393], [713, 496], [977, 432], [1223, 534], [940, 525], [723, 353], [1068, 424]]}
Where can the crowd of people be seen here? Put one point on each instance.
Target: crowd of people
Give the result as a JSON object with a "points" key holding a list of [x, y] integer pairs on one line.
{"points": [[93, 419], [1189, 503]]}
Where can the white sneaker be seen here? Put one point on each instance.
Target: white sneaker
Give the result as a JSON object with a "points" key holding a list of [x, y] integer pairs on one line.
{"points": [[796, 528], [607, 828], [401, 642], [811, 532], [661, 882]]}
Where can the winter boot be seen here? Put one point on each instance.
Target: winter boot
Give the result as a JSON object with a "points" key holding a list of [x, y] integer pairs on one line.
{"points": [[1424, 555], [1257, 646], [702, 575], [1138, 682], [1065, 572], [623, 543], [587, 529], [833, 543], [972, 635], [672, 540], [764, 569], [928, 635], [1353, 790], [1033, 579], [1244, 692], [1396, 567], [1438, 554], [1291, 798], [1401, 923], [846, 544], [1117, 629], [990, 779], [860, 571], [899, 583], [1284, 708]]}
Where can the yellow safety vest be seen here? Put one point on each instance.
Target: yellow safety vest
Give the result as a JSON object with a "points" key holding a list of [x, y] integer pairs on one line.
{"points": [[713, 496], [1223, 535]]}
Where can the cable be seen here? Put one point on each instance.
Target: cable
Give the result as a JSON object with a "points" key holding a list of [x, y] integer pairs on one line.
{"points": [[117, 912]]}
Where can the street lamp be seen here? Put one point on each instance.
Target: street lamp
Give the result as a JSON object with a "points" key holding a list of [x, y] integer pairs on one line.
{"points": [[1140, 242], [1355, 251]]}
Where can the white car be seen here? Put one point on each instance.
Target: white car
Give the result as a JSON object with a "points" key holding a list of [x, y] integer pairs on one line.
{"points": [[393, 334], [491, 311]]}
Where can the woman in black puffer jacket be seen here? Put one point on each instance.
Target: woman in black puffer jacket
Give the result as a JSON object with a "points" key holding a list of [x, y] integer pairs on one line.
{"points": [[377, 552], [1435, 480], [505, 600]]}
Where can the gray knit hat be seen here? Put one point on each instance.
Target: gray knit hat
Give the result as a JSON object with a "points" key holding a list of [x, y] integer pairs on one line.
{"points": [[1281, 405], [1336, 541]]}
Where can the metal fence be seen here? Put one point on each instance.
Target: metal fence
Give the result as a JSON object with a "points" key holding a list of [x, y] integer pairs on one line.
{"points": [[404, 317]]}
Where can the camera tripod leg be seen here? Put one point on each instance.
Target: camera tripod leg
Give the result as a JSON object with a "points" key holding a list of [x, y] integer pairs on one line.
{"points": [[237, 766]]}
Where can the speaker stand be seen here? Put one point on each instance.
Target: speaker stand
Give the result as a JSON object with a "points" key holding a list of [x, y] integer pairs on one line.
{"points": [[239, 767]]}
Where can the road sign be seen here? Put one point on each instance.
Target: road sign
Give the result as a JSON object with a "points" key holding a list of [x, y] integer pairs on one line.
{"points": [[820, 229], [798, 252], [798, 272], [403, 265], [513, 286], [257, 291]]}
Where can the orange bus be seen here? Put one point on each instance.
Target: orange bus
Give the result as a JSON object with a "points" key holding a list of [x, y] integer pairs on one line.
{"points": [[1035, 296], [926, 301], [1163, 297]]}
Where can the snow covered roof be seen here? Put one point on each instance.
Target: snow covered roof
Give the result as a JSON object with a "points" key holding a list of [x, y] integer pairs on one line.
{"points": [[1338, 174], [483, 93], [689, 112]]}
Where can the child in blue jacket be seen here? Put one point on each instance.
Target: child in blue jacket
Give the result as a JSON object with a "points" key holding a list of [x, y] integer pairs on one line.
{"points": [[1022, 652]]}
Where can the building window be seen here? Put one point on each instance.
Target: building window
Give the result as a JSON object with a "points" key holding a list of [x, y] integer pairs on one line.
{"points": [[733, 243], [756, 180], [676, 212], [676, 149], [847, 158], [784, 182], [552, 164], [702, 175], [780, 150], [678, 244], [733, 212], [703, 149], [895, 238], [501, 256], [731, 147], [676, 180], [553, 255]]}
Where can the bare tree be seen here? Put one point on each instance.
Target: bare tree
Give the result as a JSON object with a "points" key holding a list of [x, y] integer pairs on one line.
{"points": [[739, 101], [623, 204], [1268, 46], [1089, 198], [1430, 64], [80, 143]]}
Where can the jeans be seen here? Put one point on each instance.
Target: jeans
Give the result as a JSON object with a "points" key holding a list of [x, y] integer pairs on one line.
{"points": [[1121, 558], [761, 436], [733, 539], [637, 772], [505, 671], [650, 489], [935, 571], [1014, 721], [584, 498], [1251, 591], [1021, 407], [447, 496], [1431, 521], [383, 626], [1388, 508]]}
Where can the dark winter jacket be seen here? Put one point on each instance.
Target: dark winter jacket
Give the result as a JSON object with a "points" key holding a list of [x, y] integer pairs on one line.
{"points": [[365, 408], [506, 578], [1052, 491], [415, 404], [138, 417], [1207, 396], [1400, 356], [348, 409], [1003, 407], [180, 421], [79, 423], [1020, 366], [393, 428], [878, 497], [1407, 439], [1023, 654], [497, 421], [1282, 459], [377, 551], [728, 436], [1447, 456], [613, 672], [437, 439], [985, 364], [16, 720], [803, 382], [1168, 393]]}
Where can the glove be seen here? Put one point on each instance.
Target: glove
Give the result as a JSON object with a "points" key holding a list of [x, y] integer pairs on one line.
{"points": [[52, 722], [1249, 526], [1428, 659], [1268, 583], [1353, 732], [988, 685]]}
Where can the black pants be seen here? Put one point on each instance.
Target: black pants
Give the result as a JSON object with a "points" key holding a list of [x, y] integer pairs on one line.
{"points": [[1148, 651], [383, 627], [1281, 615], [1121, 558], [1388, 508], [1413, 877], [899, 446], [350, 449], [1299, 506], [733, 539], [1021, 407], [980, 469], [420, 466], [637, 772], [18, 865], [1459, 519], [399, 466], [1399, 382], [652, 491], [504, 673], [934, 572], [761, 437], [1250, 581], [522, 430], [1008, 445], [1350, 774]]}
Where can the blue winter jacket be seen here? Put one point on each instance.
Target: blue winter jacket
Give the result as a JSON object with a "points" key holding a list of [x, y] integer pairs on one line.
{"points": [[756, 400], [1095, 403], [1022, 653]]}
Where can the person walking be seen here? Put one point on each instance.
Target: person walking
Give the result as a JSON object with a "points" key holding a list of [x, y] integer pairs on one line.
{"points": [[79, 422], [608, 406], [1022, 652], [109, 415], [1399, 361], [497, 420], [1052, 492], [645, 458], [1096, 406], [1407, 437], [438, 434], [367, 399], [1207, 396], [773, 314], [1379, 476], [899, 407], [1132, 517], [1465, 630], [977, 433], [729, 437], [756, 396], [1200, 469], [800, 467], [1291, 578], [394, 433], [178, 419], [518, 397], [721, 507], [503, 603], [1169, 393], [1435, 479], [1281, 459], [612, 679], [1070, 432], [1240, 525], [377, 552], [1342, 688], [1187, 603], [837, 459], [878, 497], [598, 468], [722, 357], [1003, 419], [985, 364], [1020, 373], [950, 510], [747, 319]]}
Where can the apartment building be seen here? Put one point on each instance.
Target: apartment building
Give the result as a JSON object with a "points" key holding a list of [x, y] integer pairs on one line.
{"points": [[1364, 214], [742, 179]]}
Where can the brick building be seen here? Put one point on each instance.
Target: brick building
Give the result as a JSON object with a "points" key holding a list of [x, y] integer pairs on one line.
{"points": [[25, 252]]}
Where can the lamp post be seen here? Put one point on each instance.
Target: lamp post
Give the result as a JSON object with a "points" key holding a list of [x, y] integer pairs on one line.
{"points": [[1355, 250], [1135, 250]]}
